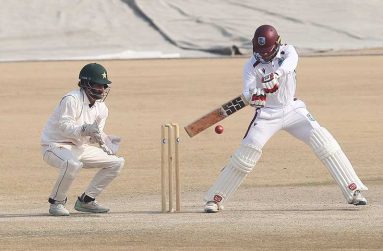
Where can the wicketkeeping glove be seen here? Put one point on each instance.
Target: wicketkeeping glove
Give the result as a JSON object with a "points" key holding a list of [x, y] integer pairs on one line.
{"points": [[110, 143], [270, 83], [106, 149], [258, 98], [91, 130]]}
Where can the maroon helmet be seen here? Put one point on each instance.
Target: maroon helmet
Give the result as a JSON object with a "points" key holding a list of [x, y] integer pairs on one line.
{"points": [[266, 42]]}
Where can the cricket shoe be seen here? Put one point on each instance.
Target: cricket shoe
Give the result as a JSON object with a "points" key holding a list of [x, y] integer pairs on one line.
{"points": [[212, 207], [90, 207], [57, 208], [358, 199]]}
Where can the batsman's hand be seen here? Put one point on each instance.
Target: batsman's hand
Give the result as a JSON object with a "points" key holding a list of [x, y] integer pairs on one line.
{"points": [[258, 98], [270, 83], [92, 131]]}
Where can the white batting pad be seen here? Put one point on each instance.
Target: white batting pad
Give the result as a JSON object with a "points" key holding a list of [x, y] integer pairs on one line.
{"points": [[232, 175], [329, 152]]}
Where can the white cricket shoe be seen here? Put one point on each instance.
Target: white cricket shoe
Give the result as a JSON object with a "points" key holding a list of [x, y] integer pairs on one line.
{"points": [[358, 199], [212, 207], [58, 209], [90, 207]]}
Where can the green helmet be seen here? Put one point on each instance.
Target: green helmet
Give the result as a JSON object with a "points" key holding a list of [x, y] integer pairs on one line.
{"points": [[94, 73], [91, 75]]}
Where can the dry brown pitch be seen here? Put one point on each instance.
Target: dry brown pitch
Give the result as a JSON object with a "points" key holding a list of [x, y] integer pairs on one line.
{"points": [[289, 202]]}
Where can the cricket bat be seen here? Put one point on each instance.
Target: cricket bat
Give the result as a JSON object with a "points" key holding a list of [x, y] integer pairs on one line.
{"points": [[216, 115]]}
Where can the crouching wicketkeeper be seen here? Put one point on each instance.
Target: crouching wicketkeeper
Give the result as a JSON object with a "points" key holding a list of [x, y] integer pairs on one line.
{"points": [[73, 139]]}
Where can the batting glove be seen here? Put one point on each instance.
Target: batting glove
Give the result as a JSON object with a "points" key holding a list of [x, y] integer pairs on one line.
{"points": [[270, 83], [258, 98]]}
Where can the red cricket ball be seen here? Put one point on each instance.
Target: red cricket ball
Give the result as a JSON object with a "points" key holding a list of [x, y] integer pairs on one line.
{"points": [[219, 129]]}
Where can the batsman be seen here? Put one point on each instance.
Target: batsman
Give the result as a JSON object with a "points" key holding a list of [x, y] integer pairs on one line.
{"points": [[269, 86]]}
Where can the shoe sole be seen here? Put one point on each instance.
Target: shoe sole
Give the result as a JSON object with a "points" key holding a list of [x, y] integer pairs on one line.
{"points": [[87, 210], [361, 203], [58, 214], [211, 211]]}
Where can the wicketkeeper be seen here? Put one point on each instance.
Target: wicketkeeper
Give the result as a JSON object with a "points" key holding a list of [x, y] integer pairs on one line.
{"points": [[73, 138], [269, 85]]}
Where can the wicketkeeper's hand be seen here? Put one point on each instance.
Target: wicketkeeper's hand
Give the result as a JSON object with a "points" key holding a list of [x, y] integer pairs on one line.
{"points": [[92, 131], [258, 98], [110, 143], [106, 149], [270, 83], [114, 139]]}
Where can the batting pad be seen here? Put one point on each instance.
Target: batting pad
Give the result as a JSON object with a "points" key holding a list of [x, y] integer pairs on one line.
{"points": [[232, 175], [329, 152]]}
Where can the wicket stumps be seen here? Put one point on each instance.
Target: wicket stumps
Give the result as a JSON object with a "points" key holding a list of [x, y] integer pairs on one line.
{"points": [[170, 135]]}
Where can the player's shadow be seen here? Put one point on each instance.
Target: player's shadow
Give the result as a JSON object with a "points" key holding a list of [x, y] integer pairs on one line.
{"points": [[157, 212], [184, 211], [297, 210], [37, 215], [28, 215]]}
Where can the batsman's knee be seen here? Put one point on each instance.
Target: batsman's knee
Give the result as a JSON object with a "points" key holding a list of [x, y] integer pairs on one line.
{"points": [[323, 143], [246, 157]]}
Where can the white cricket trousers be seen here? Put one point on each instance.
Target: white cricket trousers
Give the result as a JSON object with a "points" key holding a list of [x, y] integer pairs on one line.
{"points": [[70, 159], [293, 118], [296, 120]]}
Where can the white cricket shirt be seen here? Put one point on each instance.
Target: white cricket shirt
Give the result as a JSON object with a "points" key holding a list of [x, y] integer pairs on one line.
{"points": [[284, 64], [64, 124]]}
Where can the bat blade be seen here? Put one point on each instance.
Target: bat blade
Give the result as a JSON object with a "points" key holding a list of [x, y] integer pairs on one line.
{"points": [[216, 115], [205, 122]]}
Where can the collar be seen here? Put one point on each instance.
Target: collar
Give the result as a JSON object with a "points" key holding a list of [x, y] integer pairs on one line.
{"points": [[85, 99], [278, 56], [278, 53]]}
